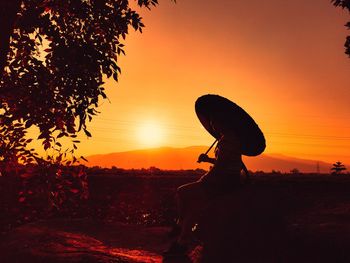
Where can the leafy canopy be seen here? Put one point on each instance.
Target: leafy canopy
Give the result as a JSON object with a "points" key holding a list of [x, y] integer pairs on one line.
{"points": [[59, 52], [345, 4]]}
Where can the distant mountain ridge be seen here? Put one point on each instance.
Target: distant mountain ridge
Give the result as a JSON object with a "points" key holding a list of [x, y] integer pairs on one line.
{"points": [[170, 158]]}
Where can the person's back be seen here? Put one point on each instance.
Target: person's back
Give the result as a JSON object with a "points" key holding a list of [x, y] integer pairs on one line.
{"points": [[225, 173]]}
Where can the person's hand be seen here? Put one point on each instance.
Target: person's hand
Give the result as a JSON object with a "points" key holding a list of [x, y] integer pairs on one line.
{"points": [[202, 158]]}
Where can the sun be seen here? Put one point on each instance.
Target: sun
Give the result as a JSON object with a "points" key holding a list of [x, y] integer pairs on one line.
{"points": [[150, 134]]}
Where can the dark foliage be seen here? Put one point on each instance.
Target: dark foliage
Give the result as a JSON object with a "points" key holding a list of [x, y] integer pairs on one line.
{"points": [[338, 168], [345, 4], [59, 190], [13, 145], [42, 191], [59, 53]]}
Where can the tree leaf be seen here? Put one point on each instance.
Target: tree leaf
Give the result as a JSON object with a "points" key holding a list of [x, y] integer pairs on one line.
{"points": [[88, 134]]}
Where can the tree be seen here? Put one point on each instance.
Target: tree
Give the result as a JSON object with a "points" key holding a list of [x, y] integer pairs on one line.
{"points": [[54, 57], [345, 4], [295, 171], [337, 168], [8, 12]]}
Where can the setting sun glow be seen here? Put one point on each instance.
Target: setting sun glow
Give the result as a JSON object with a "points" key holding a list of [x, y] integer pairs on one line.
{"points": [[295, 86], [150, 134]]}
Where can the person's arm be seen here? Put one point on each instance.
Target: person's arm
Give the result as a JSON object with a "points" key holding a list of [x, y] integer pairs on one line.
{"points": [[205, 158], [247, 174]]}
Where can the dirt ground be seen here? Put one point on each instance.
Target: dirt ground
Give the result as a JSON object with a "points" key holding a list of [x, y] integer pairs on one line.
{"points": [[289, 219], [63, 240]]}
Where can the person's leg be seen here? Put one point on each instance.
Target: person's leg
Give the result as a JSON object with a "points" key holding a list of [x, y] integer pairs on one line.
{"points": [[192, 199]]}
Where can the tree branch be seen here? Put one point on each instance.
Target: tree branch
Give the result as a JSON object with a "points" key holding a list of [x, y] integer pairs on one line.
{"points": [[8, 13]]}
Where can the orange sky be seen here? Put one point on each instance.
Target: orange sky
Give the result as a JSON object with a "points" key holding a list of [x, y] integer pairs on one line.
{"points": [[282, 61]]}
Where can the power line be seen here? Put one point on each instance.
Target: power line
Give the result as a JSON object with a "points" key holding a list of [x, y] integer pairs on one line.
{"points": [[183, 127]]}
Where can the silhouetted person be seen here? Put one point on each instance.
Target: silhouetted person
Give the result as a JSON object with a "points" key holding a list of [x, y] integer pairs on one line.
{"points": [[237, 135], [193, 198]]}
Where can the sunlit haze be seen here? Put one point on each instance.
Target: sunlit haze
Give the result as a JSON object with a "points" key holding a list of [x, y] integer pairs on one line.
{"points": [[282, 61], [150, 134]]}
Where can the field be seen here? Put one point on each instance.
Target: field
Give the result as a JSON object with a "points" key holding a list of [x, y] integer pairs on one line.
{"points": [[126, 218]]}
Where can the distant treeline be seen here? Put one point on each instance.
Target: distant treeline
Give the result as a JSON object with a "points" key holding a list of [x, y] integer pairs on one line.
{"points": [[154, 171], [151, 171], [31, 169]]}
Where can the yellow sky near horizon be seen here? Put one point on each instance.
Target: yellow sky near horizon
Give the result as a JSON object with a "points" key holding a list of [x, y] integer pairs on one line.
{"points": [[282, 61]]}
